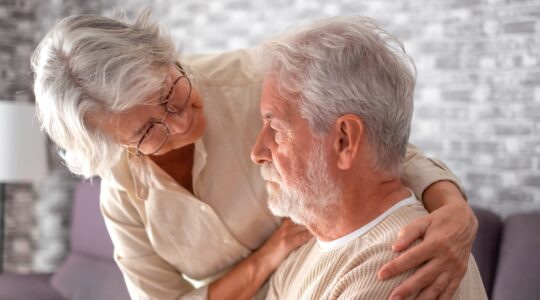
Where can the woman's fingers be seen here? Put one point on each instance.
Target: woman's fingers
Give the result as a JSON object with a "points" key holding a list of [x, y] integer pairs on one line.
{"points": [[412, 232], [448, 294], [414, 283], [440, 257], [435, 289], [300, 239], [410, 259], [295, 234]]}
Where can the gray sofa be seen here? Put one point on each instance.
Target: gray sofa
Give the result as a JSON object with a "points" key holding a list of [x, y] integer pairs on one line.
{"points": [[506, 253]]}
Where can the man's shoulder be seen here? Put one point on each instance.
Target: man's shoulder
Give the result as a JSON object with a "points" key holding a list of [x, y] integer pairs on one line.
{"points": [[238, 67], [372, 250], [386, 231], [296, 258], [353, 267], [362, 258]]}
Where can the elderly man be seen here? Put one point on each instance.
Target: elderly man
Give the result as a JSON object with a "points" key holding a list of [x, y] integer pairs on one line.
{"points": [[337, 105]]}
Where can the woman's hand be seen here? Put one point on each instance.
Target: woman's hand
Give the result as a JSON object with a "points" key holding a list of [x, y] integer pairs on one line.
{"points": [[442, 256], [246, 278], [283, 241]]}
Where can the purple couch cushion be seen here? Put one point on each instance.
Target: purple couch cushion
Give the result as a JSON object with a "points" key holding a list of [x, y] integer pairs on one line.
{"points": [[88, 232], [24, 287], [518, 271], [89, 272], [88, 278], [486, 245]]}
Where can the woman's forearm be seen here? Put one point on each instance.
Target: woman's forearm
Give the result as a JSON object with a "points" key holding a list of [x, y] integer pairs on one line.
{"points": [[243, 281], [442, 193], [247, 277]]}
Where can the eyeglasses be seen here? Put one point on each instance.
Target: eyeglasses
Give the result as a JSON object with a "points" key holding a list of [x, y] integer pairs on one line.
{"points": [[157, 133]]}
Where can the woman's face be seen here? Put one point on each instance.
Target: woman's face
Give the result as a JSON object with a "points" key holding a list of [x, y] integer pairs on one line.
{"points": [[181, 112]]}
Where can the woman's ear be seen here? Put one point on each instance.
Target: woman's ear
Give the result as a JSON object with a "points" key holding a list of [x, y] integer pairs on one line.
{"points": [[349, 133]]}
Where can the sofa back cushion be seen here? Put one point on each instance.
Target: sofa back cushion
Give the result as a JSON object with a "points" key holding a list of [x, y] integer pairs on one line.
{"points": [[486, 245], [89, 272], [83, 277], [88, 232], [518, 270]]}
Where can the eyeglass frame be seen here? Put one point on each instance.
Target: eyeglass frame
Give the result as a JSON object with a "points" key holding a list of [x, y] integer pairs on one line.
{"points": [[165, 103]]}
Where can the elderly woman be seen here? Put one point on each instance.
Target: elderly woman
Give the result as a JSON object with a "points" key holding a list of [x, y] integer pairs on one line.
{"points": [[170, 137]]}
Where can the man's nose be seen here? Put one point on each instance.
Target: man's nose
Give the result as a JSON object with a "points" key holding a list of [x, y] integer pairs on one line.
{"points": [[260, 152]]}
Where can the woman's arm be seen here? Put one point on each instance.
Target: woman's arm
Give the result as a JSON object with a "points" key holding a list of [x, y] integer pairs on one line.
{"points": [[248, 276], [147, 274], [447, 233]]}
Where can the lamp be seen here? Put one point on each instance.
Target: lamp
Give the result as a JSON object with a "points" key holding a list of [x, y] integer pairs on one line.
{"points": [[23, 156]]}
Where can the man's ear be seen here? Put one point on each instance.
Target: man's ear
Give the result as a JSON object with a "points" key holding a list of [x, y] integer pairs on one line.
{"points": [[349, 133]]}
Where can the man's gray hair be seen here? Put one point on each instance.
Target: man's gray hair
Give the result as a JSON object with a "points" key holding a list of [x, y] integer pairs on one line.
{"points": [[92, 64], [347, 64]]}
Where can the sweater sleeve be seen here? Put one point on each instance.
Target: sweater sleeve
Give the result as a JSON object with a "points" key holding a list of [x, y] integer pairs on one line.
{"points": [[361, 281], [146, 273], [419, 172]]}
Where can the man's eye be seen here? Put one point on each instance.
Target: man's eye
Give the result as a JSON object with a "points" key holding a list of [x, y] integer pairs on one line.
{"points": [[278, 136]]}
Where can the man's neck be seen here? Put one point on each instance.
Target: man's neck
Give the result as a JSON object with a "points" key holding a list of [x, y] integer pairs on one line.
{"points": [[359, 205]]}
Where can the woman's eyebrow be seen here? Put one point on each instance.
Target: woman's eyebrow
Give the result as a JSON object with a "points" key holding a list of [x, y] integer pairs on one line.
{"points": [[137, 134]]}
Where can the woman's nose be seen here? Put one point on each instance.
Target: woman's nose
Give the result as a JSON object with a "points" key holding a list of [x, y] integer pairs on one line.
{"points": [[180, 121]]}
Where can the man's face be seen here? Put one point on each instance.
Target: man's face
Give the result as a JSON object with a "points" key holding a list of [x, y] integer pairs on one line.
{"points": [[294, 161]]}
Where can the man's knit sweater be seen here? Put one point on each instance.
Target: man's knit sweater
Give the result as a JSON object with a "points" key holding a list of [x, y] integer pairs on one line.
{"points": [[347, 268]]}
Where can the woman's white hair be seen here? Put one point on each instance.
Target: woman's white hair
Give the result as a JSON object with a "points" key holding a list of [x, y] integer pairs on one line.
{"points": [[347, 64], [91, 64]]}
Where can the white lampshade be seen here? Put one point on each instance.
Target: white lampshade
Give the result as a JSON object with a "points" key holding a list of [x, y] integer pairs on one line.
{"points": [[23, 154]]}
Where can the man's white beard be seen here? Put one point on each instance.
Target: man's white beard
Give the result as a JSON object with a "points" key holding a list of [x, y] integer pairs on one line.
{"points": [[313, 196]]}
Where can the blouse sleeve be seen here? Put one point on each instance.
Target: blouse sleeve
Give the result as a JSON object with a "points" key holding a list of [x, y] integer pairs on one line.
{"points": [[147, 275], [419, 172]]}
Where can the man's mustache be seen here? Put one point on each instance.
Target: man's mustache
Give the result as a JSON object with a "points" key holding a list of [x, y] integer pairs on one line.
{"points": [[269, 173]]}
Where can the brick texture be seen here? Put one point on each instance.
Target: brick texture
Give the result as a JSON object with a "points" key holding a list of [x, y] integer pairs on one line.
{"points": [[478, 92]]}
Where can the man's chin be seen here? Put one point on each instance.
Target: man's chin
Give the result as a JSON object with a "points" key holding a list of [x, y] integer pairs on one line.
{"points": [[279, 208], [282, 204], [278, 211]]}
